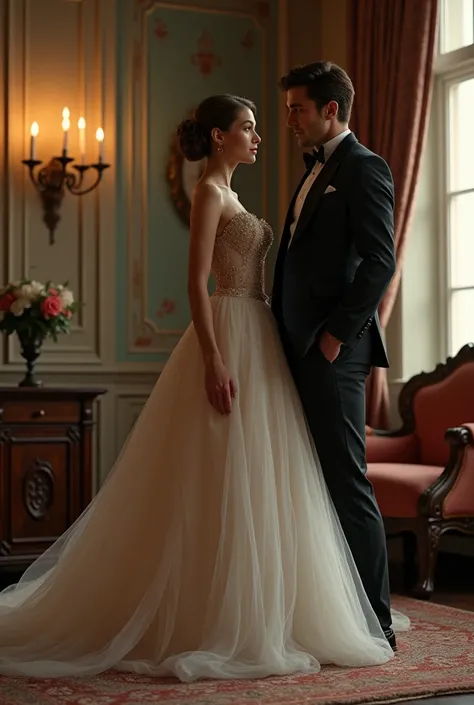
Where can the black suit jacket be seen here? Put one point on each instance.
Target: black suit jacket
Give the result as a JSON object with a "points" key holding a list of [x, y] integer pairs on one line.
{"points": [[342, 257]]}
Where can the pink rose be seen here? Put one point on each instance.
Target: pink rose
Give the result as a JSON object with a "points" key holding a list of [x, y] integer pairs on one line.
{"points": [[51, 307], [6, 301]]}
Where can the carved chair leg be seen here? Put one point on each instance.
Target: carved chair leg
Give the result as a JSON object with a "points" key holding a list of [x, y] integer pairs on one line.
{"points": [[409, 540], [428, 536]]}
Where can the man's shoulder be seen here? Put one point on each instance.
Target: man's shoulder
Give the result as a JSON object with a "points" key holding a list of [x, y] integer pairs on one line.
{"points": [[362, 166], [361, 153]]}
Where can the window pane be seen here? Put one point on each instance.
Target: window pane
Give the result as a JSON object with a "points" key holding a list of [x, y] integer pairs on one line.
{"points": [[461, 135], [457, 24], [462, 319], [461, 240]]}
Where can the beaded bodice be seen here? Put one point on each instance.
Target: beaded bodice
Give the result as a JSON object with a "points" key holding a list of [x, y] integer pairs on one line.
{"points": [[238, 261]]}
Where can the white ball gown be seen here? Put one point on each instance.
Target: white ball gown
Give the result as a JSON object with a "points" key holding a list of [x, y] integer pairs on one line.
{"points": [[213, 549]]}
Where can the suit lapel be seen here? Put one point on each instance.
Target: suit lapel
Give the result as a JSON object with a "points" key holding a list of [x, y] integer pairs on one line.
{"points": [[285, 238], [289, 214], [321, 183]]}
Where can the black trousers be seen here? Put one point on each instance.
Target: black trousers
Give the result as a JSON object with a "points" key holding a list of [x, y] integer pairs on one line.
{"points": [[333, 397]]}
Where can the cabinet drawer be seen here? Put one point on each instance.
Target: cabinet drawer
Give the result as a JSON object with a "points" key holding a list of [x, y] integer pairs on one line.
{"points": [[40, 411]]}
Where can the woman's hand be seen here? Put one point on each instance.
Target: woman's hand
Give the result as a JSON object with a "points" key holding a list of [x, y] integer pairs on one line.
{"points": [[220, 388]]}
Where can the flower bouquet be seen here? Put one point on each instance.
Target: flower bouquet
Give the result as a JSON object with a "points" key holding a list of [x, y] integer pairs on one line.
{"points": [[35, 311]]}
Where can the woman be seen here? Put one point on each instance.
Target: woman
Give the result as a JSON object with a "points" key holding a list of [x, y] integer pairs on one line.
{"points": [[213, 549]]}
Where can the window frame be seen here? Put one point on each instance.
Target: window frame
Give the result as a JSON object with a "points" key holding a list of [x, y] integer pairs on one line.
{"points": [[442, 6], [449, 69]]}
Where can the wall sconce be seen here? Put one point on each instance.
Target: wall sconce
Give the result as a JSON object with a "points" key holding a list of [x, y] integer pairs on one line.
{"points": [[51, 181]]}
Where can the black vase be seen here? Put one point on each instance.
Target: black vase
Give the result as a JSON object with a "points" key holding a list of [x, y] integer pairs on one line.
{"points": [[30, 349]]}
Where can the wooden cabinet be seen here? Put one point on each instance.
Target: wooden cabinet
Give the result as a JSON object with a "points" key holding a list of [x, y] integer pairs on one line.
{"points": [[45, 467]]}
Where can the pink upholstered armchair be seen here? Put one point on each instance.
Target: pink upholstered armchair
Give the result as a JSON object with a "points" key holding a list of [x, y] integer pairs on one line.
{"points": [[423, 474]]}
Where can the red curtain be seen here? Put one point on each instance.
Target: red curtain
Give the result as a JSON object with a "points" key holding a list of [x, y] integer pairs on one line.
{"points": [[392, 49]]}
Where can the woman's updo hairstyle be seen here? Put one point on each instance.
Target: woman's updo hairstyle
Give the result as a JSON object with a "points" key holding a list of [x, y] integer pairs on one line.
{"points": [[194, 135]]}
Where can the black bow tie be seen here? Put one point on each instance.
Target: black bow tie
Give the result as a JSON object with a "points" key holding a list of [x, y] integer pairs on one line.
{"points": [[310, 158]]}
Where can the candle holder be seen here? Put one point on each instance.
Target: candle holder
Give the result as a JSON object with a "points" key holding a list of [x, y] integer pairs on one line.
{"points": [[52, 181]]}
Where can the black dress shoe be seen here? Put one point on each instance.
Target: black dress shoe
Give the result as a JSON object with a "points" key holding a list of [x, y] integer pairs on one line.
{"points": [[390, 637]]}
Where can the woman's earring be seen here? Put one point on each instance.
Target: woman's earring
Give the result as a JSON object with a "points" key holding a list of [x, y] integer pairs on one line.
{"points": [[220, 149]]}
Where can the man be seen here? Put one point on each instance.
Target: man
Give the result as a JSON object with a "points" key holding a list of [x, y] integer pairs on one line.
{"points": [[335, 261]]}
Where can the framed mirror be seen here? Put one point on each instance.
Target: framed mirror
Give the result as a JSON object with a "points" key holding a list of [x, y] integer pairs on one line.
{"points": [[182, 177]]}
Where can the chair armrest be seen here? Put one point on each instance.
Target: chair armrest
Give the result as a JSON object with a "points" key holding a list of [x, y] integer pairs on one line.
{"points": [[452, 494], [385, 448]]}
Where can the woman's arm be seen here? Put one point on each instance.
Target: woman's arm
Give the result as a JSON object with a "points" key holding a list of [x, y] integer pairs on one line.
{"points": [[206, 211]]}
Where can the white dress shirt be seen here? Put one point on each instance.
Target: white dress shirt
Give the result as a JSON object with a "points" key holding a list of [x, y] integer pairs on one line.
{"points": [[329, 148]]}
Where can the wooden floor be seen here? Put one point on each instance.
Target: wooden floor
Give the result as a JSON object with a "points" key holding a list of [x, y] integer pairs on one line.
{"points": [[454, 587], [445, 700]]}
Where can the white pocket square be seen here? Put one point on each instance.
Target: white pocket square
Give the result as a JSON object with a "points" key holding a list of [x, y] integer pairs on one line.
{"points": [[330, 189]]}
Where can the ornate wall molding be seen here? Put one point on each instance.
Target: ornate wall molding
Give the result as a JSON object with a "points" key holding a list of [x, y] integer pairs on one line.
{"points": [[84, 80], [144, 333]]}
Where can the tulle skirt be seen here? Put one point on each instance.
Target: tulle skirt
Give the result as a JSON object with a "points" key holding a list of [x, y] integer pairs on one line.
{"points": [[212, 550]]}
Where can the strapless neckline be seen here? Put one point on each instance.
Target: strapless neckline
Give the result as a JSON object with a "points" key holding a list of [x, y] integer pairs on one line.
{"points": [[238, 215], [238, 261]]}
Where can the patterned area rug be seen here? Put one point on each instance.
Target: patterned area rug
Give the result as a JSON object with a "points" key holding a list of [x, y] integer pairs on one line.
{"points": [[435, 658]]}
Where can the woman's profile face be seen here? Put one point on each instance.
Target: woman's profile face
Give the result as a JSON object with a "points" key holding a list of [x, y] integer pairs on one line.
{"points": [[240, 142]]}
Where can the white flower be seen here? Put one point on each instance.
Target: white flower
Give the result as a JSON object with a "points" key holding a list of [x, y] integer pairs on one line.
{"points": [[18, 306], [67, 298], [37, 287], [30, 292]]}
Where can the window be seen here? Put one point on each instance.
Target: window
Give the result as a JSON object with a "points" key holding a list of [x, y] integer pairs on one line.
{"points": [[456, 24], [455, 98]]}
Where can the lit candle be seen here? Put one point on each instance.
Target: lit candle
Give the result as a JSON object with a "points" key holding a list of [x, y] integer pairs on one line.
{"points": [[99, 135], [82, 138], [66, 124], [34, 133]]}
